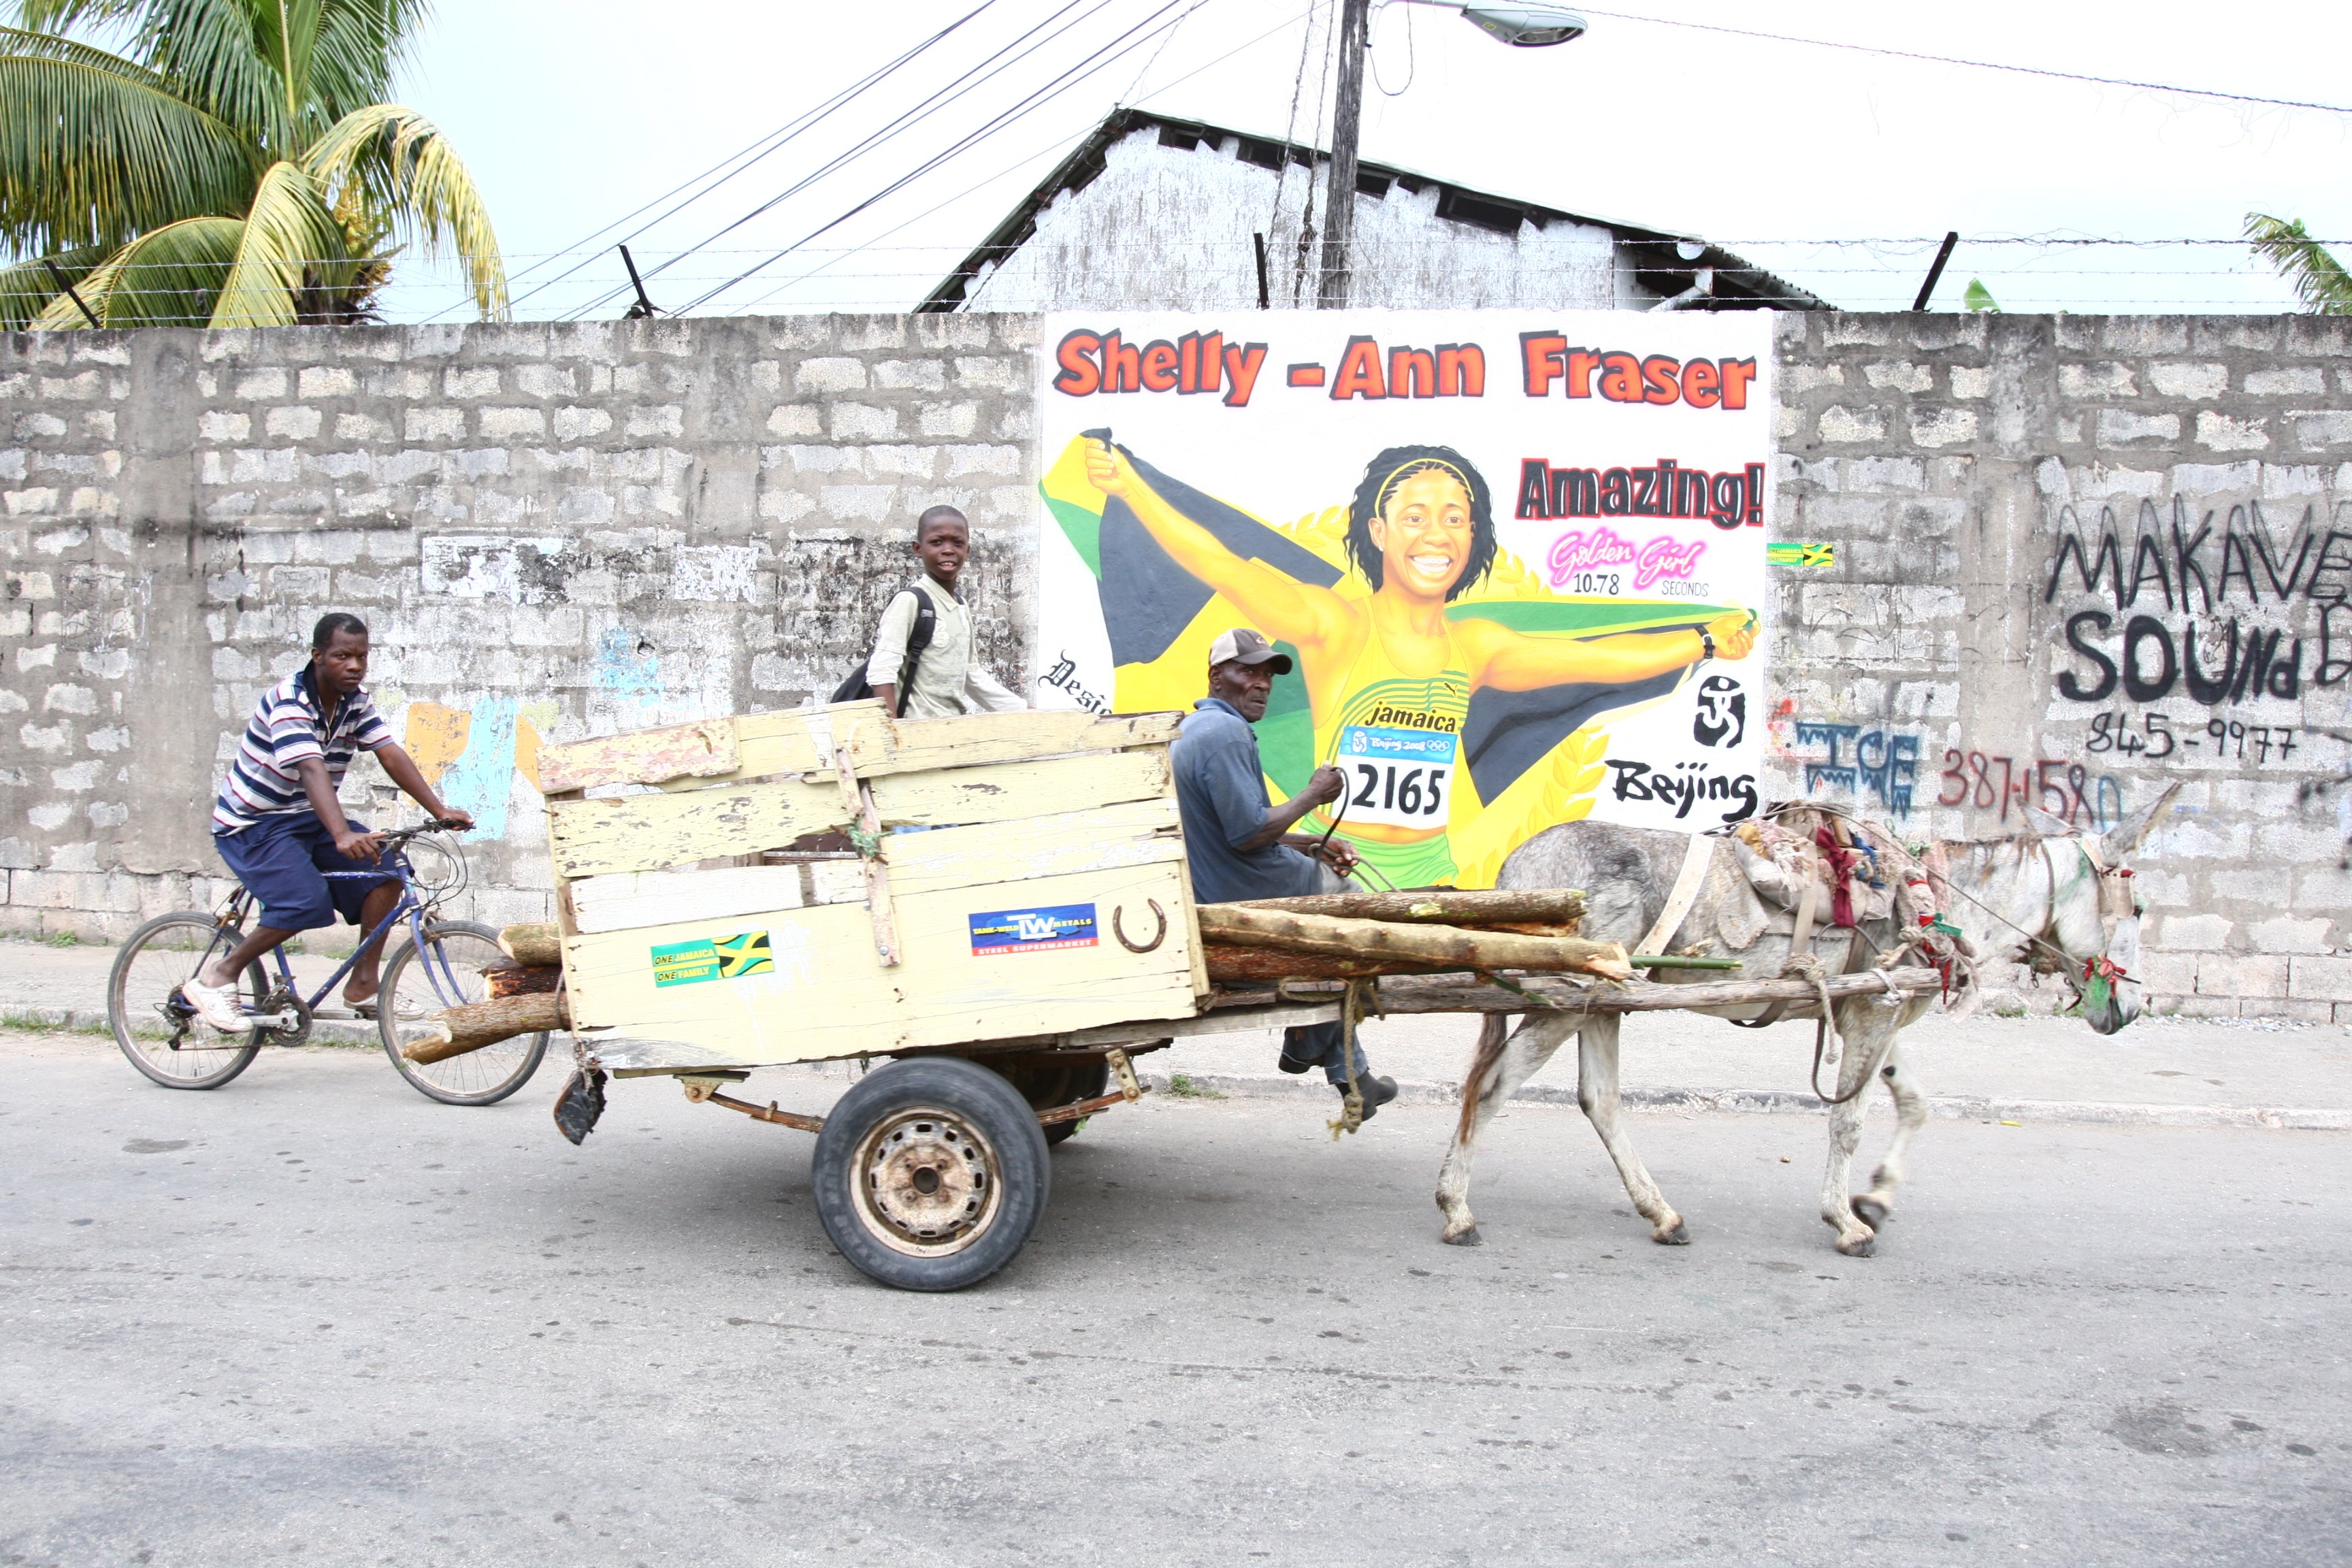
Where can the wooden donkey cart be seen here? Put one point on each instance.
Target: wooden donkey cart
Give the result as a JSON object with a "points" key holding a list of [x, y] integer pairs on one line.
{"points": [[998, 905]]}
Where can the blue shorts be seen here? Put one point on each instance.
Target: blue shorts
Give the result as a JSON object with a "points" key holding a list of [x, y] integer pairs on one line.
{"points": [[282, 859]]}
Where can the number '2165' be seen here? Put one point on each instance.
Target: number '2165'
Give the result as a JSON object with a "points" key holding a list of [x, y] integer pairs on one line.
{"points": [[1404, 793]]}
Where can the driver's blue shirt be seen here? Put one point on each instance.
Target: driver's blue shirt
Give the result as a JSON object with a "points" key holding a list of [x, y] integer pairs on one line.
{"points": [[1220, 793]]}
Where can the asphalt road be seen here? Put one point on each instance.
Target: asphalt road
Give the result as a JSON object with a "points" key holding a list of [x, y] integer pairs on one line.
{"points": [[312, 1318]]}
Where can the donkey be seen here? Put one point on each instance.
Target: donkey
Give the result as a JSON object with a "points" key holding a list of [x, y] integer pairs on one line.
{"points": [[2035, 898]]}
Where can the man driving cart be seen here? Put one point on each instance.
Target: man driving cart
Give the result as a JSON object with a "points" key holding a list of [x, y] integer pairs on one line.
{"points": [[1239, 845]]}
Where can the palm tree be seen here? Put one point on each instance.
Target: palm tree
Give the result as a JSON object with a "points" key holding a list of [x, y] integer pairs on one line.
{"points": [[2319, 280], [234, 166]]}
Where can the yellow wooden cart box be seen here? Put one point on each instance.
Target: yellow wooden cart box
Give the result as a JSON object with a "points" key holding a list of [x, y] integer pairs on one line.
{"points": [[1014, 876]]}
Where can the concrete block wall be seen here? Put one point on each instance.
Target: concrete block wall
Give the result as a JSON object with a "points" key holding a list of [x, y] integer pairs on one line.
{"points": [[1973, 472], [562, 529], [552, 529]]}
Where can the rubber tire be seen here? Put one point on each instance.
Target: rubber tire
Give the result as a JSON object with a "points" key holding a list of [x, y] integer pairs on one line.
{"points": [[1075, 1081], [990, 1106], [385, 1024], [257, 985]]}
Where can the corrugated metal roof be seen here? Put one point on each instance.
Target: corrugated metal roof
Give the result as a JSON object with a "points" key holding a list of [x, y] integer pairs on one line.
{"points": [[1658, 262]]}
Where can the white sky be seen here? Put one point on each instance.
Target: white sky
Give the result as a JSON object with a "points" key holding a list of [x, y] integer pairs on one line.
{"points": [[572, 115]]}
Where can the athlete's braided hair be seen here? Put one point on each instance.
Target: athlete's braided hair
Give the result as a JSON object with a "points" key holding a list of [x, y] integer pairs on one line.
{"points": [[1392, 469]]}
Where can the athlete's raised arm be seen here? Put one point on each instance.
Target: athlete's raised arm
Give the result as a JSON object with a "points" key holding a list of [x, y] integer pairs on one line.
{"points": [[1513, 661], [1278, 606]]}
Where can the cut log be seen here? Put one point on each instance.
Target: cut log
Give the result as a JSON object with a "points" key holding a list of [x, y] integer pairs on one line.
{"points": [[1431, 946], [1481, 907], [522, 979], [1259, 964], [535, 944], [479, 1023], [1470, 993]]}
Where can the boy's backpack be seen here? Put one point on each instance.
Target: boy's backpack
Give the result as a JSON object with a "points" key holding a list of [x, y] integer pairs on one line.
{"points": [[855, 687]]}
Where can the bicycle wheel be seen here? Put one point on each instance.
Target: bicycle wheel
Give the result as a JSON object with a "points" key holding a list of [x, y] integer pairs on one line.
{"points": [[163, 1038], [419, 984]]}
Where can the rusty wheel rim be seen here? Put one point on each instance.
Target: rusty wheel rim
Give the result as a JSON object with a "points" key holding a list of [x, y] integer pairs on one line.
{"points": [[926, 1183]]}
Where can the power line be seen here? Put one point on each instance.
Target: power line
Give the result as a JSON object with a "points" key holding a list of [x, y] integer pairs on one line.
{"points": [[1110, 54], [1973, 65], [971, 81], [1057, 144], [745, 157]]}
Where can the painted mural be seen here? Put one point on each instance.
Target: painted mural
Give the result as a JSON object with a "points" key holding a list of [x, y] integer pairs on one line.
{"points": [[1519, 560]]}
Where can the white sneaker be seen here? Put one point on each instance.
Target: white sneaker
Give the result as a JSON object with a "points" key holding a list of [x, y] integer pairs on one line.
{"points": [[216, 1005]]}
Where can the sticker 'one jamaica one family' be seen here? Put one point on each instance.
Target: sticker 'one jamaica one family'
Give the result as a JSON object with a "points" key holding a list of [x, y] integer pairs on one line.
{"points": [[719, 958], [1000, 932]]}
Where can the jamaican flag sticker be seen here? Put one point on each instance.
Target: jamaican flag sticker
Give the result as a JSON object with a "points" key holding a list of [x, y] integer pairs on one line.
{"points": [[718, 958], [1792, 553]]}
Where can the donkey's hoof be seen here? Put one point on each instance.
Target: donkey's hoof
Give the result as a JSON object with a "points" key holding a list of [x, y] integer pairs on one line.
{"points": [[1871, 1212], [1861, 1247], [1677, 1236], [1468, 1236]]}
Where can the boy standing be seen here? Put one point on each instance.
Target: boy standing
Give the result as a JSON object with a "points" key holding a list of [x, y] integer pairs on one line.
{"points": [[941, 679]]}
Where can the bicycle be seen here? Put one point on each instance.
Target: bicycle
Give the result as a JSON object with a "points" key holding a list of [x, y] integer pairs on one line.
{"points": [[440, 966]]}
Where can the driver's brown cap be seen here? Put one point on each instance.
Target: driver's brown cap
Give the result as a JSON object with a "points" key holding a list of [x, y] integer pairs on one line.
{"points": [[1242, 645]]}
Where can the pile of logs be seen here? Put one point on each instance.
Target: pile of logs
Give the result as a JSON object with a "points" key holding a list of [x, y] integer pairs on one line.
{"points": [[1349, 936], [1332, 936], [525, 998]]}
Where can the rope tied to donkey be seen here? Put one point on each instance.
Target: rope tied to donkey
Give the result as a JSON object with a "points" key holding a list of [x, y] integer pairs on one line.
{"points": [[1828, 1047]]}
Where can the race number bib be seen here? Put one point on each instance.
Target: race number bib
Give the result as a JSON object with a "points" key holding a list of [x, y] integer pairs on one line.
{"points": [[1399, 778]]}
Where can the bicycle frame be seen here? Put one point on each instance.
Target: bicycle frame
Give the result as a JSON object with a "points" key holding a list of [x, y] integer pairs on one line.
{"points": [[438, 972]]}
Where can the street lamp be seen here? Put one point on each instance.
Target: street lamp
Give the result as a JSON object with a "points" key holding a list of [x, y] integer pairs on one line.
{"points": [[1530, 25]]}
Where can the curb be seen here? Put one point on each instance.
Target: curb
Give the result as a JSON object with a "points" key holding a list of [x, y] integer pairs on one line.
{"points": [[1800, 1102], [324, 1031]]}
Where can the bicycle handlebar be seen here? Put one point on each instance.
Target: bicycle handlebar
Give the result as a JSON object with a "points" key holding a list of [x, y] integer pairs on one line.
{"points": [[402, 835]]}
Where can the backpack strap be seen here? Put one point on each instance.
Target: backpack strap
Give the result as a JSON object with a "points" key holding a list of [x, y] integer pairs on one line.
{"points": [[918, 638]]}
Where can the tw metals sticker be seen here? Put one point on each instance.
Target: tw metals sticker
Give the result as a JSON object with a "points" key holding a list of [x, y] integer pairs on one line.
{"points": [[1051, 930]]}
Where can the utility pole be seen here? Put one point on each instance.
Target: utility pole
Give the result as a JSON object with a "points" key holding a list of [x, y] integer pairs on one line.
{"points": [[1339, 198]]}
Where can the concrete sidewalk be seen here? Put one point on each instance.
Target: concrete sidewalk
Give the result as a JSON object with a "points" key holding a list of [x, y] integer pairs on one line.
{"points": [[2160, 1071]]}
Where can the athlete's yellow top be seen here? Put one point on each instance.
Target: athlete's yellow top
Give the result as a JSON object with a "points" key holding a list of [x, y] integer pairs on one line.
{"points": [[1398, 739]]}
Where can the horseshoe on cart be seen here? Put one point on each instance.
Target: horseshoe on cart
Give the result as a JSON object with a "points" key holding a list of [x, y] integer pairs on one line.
{"points": [[1156, 937]]}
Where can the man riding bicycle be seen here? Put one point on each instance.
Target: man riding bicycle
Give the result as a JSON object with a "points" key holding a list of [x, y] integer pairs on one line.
{"points": [[279, 824]]}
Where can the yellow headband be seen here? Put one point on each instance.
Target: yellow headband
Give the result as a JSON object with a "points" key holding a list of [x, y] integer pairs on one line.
{"points": [[1405, 470]]}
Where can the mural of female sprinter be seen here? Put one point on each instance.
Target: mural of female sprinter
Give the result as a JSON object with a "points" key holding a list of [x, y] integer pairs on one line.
{"points": [[1391, 678]]}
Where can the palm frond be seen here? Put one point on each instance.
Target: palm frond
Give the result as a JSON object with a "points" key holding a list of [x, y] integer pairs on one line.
{"points": [[411, 173], [27, 287], [361, 44], [287, 231], [208, 49], [90, 155], [2319, 280], [170, 277], [284, 33]]}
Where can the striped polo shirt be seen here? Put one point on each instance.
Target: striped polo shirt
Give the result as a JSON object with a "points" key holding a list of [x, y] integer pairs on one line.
{"points": [[285, 729]]}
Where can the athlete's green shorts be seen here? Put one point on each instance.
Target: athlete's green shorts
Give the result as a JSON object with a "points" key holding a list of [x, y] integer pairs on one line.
{"points": [[1428, 864]]}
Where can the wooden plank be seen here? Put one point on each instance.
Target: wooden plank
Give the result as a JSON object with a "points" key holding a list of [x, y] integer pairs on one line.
{"points": [[824, 994], [956, 797], [627, 899], [803, 739], [655, 831], [1138, 833], [704, 749], [980, 739], [859, 797], [782, 742]]}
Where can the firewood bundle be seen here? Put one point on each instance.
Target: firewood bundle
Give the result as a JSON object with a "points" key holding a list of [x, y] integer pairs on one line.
{"points": [[1348, 936]]}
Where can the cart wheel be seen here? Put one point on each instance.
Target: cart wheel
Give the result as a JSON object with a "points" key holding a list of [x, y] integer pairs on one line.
{"points": [[931, 1173], [1061, 1083]]}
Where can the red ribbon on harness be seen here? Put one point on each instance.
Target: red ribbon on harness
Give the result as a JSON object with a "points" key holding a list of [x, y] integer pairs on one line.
{"points": [[1842, 861]]}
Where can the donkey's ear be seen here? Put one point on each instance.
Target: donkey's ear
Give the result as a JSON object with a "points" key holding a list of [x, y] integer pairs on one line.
{"points": [[2125, 837], [2047, 825]]}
